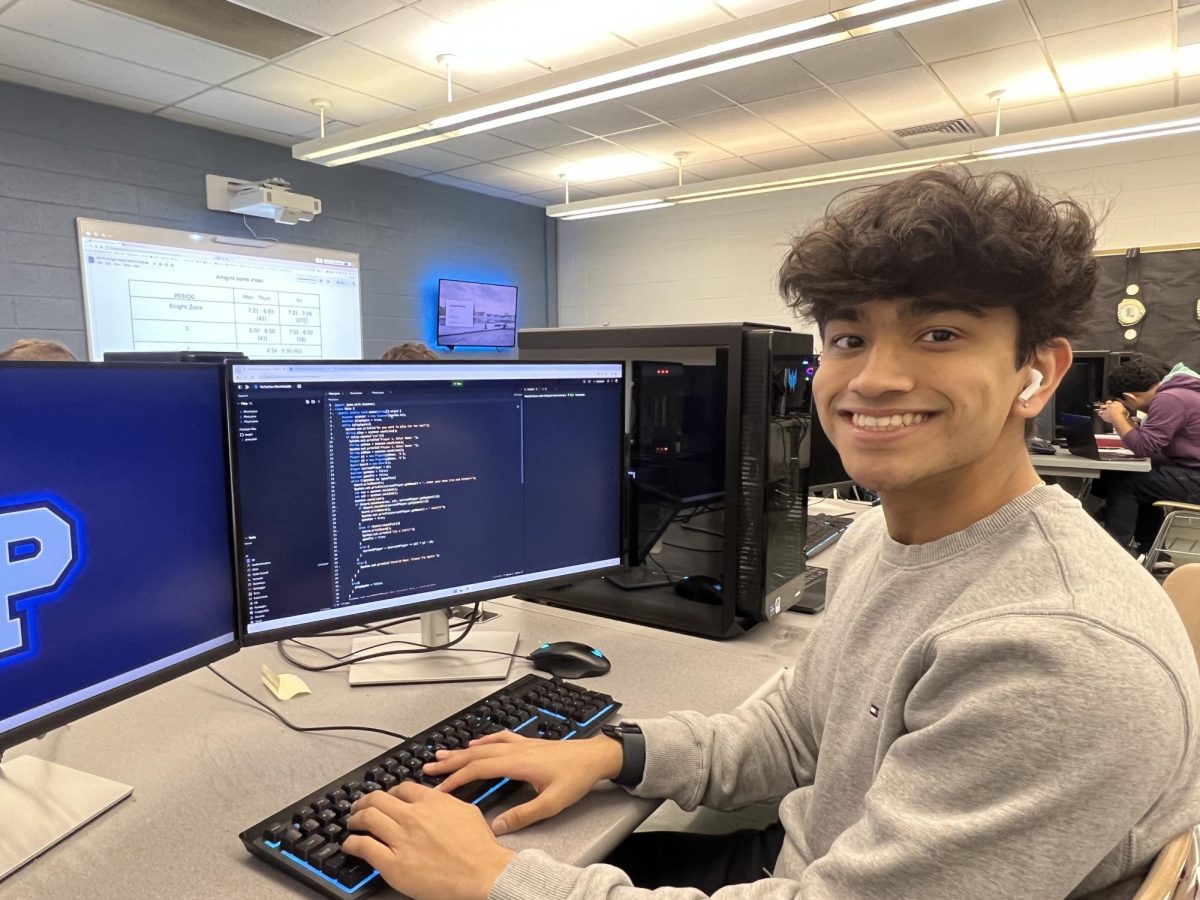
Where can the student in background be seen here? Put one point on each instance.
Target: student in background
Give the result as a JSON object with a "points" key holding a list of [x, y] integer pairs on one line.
{"points": [[410, 350], [32, 350], [1169, 435]]}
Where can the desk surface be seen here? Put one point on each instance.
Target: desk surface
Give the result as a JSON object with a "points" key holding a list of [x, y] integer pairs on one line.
{"points": [[1065, 463], [205, 763]]}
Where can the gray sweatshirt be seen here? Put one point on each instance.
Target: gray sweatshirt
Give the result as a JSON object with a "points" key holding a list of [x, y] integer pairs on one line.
{"points": [[1007, 712]]}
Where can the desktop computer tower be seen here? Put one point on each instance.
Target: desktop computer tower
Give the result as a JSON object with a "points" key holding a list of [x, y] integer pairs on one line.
{"points": [[719, 425]]}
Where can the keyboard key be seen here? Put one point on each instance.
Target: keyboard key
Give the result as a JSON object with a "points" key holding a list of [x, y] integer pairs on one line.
{"points": [[353, 873]]}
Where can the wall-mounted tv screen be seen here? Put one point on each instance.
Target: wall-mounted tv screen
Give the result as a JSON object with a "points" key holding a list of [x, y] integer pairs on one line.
{"points": [[471, 314]]}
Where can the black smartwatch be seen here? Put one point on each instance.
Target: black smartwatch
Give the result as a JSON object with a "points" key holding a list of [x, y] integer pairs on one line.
{"points": [[633, 749]]}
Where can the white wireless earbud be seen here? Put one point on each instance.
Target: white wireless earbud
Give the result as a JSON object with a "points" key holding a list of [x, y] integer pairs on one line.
{"points": [[1035, 382]]}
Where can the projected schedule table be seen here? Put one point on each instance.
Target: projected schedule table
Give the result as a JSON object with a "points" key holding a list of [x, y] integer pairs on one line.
{"points": [[256, 321]]}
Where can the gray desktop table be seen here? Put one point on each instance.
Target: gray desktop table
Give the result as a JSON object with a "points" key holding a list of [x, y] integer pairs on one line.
{"points": [[205, 763], [1064, 464]]}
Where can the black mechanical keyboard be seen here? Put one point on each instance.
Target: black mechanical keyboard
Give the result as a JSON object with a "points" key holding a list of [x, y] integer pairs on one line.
{"points": [[823, 531], [304, 838]]}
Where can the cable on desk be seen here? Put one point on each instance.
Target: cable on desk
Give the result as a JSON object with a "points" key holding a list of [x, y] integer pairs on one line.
{"points": [[693, 549], [670, 578], [303, 728], [382, 628], [370, 654]]}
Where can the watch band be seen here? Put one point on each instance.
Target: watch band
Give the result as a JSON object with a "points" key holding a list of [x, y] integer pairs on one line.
{"points": [[633, 750]]}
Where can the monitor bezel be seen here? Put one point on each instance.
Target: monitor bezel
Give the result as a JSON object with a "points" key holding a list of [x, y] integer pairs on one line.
{"points": [[266, 636], [76, 711], [438, 319]]}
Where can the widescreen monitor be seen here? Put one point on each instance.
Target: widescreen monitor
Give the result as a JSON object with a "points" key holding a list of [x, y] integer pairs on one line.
{"points": [[117, 567], [366, 488], [473, 314], [159, 289]]}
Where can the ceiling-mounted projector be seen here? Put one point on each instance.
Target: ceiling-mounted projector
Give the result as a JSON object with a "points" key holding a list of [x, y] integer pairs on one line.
{"points": [[269, 199]]}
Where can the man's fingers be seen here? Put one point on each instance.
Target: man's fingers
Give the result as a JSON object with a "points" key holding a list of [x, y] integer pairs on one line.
{"points": [[410, 791], [368, 849], [498, 737], [456, 759], [540, 807], [379, 823], [477, 770]]}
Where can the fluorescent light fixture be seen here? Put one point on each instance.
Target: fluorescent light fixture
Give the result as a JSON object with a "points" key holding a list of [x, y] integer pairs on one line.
{"points": [[640, 206], [1135, 127], [718, 49], [920, 15]]}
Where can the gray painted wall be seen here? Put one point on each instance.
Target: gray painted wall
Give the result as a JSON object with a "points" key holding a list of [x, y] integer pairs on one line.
{"points": [[61, 158]]}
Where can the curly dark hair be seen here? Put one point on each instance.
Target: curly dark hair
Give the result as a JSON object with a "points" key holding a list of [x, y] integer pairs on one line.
{"points": [[1138, 374], [410, 350], [945, 235]]}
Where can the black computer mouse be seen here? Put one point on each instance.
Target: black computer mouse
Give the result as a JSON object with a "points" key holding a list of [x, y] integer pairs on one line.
{"points": [[570, 659], [702, 588]]}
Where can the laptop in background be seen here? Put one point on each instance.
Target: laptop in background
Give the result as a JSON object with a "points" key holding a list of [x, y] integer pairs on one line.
{"points": [[1081, 440]]}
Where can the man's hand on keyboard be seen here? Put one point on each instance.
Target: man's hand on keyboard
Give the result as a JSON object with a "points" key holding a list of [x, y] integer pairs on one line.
{"points": [[560, 771], [426, 844]]}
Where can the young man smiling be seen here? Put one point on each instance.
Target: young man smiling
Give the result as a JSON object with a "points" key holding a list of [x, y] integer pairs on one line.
{"points": [[997, 703]]}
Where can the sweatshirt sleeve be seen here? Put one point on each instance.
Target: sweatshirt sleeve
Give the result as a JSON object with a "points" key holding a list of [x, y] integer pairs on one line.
{"points": [[1166, 415], [762, 751], [985, 796]]}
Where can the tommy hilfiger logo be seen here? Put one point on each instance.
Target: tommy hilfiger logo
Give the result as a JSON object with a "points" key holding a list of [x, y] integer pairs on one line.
{"points": [[874, 710]]}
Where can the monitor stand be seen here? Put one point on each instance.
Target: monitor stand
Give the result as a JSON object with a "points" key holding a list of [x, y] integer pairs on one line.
{"points": [[43, 803], [454, 664], [638, 578]]}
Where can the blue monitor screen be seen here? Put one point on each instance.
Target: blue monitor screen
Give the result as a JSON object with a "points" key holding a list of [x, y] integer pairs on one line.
{"points": [[116, 555], [471, 314], [363, 488]]}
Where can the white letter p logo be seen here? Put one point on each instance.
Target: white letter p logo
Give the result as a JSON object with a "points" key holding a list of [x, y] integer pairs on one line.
{"points": [[39, 548]]}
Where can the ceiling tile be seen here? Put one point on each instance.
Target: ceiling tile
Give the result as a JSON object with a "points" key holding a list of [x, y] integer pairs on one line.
{"points": [[246, 110], [555, 34], [667, 176], [44, 57], [901, 99], [415, 38], [468, 185], [1021, 71], [505, 179], [353, 67], [690, 98], [588, 149], [74, 89], [605, 118], [663, 141], [738, 131], [1124, 101], [484, 147], [854, 147], [539, 133], [114, 34], [970, 31], [1059, 16], [296, 90], [612, 187], [1135, 52], [543, 165], [787, 159], [435, 159], [321, 15], [741, 8], [1189, 89], [1024, 118], [398, 167], [175, 114], [531, 200], [762, 81], [814, 116], [858, 58], [644, 23], [721, 168]]}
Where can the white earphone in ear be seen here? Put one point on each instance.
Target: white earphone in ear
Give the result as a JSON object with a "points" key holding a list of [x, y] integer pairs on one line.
{"points": [[1035, 382]]}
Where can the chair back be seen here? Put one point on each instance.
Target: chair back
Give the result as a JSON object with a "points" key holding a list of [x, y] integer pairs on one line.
{"points": [[1183, 587], [1175, 873]]}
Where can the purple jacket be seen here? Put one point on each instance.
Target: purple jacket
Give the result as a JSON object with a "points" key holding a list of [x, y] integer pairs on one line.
{"points": [[1172, 426]]}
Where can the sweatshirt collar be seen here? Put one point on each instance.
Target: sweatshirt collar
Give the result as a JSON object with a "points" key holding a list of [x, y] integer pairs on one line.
{"points": [[909, 555]]}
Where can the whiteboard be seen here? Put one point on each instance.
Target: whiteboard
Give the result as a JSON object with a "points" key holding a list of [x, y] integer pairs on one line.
{"points": [[159, 289]]}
